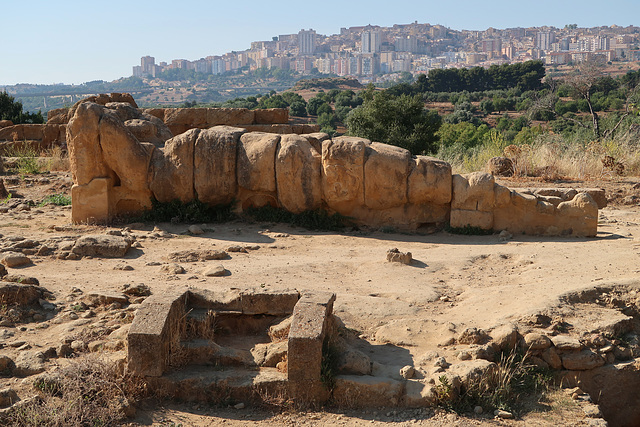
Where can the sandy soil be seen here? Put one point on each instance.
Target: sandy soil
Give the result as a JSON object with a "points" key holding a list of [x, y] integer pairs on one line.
{"points": [[402, 311]]}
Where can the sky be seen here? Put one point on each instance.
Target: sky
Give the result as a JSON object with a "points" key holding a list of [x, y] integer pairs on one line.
{"points": [[73, 41]]}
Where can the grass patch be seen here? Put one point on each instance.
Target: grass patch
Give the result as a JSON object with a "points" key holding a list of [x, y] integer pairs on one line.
{"points": [[317, 219], [56, 199], [190, 212], [26, 159], [511, 386], [468, 230]]}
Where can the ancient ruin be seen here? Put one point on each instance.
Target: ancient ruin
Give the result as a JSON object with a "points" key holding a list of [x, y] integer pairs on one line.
{"points": [[122, 158]]}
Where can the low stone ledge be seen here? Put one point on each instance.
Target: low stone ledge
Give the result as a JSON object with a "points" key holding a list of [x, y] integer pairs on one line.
{"points": [[154, 331], [309, 328]]}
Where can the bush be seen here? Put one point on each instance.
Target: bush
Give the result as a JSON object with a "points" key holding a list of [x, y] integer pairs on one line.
{"points": [[193, 211], [313, 220]]}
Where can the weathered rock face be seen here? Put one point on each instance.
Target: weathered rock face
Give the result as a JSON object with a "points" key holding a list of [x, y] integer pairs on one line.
{"points": [[500, 166], [343, 177], [298, 174], [171, 172], [256, 169], [386, 170], [214, 165]]}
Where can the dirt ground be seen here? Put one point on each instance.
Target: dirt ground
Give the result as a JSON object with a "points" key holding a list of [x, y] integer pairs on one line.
{"points": [[455, 282]]}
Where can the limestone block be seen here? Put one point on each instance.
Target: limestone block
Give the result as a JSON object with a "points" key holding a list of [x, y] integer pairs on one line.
{"points": [[599, 196], [386, 171], [523, 200], [83, 138], [463, 218], [271, 116], [430, 181], [156, 112], [256, 161], [472, 371], [298, 174], [343, 167], [155, 329], [124, 110], [582, 361], [230, 116], [280, 303], [418, 394], [366, 391], [172, 171], [474, 191], [315, 138], [92, 202], [32, 131], [309, 327], [101, 245], [305, 128], [215, 156], [51, 134], [190, 117], [123, 153], [502, 195], [57, 116]]}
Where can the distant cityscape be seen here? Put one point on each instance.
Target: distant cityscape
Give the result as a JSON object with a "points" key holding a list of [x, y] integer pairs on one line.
{"points": [[374, 53]]}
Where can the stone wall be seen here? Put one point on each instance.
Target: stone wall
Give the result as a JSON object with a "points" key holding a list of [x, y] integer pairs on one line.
{"points": [[37, 137], [117, 170]]}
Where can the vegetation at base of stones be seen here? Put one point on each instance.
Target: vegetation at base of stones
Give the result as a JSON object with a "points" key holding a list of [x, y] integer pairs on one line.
{"points": [[10, 109], [87, 391], [26, 159], [317, 219], [468, 230], [329, 365], [190, 212], [56, 199], [506, 386]]}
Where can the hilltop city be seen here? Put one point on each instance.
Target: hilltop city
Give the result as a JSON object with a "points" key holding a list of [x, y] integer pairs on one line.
{"points": [[374, 53]]}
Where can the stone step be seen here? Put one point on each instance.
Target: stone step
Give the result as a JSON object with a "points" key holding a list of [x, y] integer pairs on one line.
{"points": [[221, 385], [207, 352]]}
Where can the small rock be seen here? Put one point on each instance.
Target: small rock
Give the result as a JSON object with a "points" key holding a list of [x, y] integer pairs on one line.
{"points": [[64, 350], [123, 267], [139, 290], [172, 268], [29, 363], [78, 345], [6, 364], [239, 406], [407, 372], [503, 414], [505, 236], [478, 410], [394, 255], [217, 271], [464, 355], [14, 259], [102, 245], [8, 397], [236, 248], [195, 230], [473, 336], [536, 341]]}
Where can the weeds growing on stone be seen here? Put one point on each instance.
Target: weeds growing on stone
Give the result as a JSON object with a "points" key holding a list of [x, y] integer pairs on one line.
{"points": [[329, 365], [190, 212], [468, 230], [312, 220], [56, 199], [505, 386]]}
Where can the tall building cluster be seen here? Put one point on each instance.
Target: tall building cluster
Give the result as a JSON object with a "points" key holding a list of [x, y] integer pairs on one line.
{"points": [[374, 53]]}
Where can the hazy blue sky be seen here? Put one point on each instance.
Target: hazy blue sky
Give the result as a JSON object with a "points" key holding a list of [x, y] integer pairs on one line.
{"points": [[72, 41]]}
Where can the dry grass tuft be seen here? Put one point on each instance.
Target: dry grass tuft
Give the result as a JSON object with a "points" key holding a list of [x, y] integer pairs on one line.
{"points": [[89, 391]]}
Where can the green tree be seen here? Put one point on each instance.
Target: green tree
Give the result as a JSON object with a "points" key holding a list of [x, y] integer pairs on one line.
{"points": [[402, 121], [10, 109], [298, 109]]}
